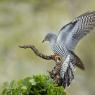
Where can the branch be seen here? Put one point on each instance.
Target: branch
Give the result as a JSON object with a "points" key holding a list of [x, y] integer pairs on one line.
{"points": [[39, 54], [55, 72]]}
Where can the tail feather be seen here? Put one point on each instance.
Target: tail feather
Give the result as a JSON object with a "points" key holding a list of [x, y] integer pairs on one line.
{"points": [[68, 77], [78, 62], [66, 71]]}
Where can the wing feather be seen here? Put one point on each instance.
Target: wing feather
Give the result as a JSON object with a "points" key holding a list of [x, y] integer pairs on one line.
{"points": [[64, 31], [71, 34]]}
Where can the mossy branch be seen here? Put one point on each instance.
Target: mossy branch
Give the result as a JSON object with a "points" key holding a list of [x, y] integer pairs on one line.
{"points": [[38, 84], [55, 72]]}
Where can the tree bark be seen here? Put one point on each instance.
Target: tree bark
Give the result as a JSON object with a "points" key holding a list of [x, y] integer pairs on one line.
{"points": [[36, 51]]}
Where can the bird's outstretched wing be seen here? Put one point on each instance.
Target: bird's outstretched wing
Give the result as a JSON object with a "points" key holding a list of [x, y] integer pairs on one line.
{"points": [[71, 33]]}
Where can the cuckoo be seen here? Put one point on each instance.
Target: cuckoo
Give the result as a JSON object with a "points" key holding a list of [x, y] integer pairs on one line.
{"points": [[63, 44]]}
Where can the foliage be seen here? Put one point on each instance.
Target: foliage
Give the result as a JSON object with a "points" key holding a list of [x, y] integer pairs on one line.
{"points": [[36, 85]]}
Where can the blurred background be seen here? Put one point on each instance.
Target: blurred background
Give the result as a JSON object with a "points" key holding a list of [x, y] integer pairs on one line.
{"points": [[25, 22]]}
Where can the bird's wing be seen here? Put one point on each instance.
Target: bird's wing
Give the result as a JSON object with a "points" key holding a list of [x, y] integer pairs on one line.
{"points": [[80, 27], [64, 31]]}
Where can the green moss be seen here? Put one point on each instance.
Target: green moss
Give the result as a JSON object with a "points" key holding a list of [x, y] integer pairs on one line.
{"points": [[36, 85]]}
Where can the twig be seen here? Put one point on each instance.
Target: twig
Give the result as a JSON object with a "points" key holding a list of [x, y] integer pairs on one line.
{"points": [[39, 54], [55, 72]]}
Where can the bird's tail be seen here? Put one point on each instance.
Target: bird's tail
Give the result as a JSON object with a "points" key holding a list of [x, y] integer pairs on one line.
{"points": [[78, 61], [68, 77], [67, 70]]}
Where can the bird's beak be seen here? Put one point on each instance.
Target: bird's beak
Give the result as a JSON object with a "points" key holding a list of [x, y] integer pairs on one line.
{"points": [[43, 41]]}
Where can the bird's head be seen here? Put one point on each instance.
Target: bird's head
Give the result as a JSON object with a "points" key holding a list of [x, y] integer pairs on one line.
{"points": [[50, 37]]}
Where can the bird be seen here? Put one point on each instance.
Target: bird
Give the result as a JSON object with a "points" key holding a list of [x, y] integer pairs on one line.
{"points": [[62, 74], [64, 44]]}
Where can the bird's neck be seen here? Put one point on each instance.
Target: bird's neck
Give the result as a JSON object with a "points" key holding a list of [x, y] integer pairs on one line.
{"points": [[52, 42]]}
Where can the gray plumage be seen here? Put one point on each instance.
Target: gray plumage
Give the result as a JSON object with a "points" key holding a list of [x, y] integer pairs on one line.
{"points": [[68, 37], [71, 33]]}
